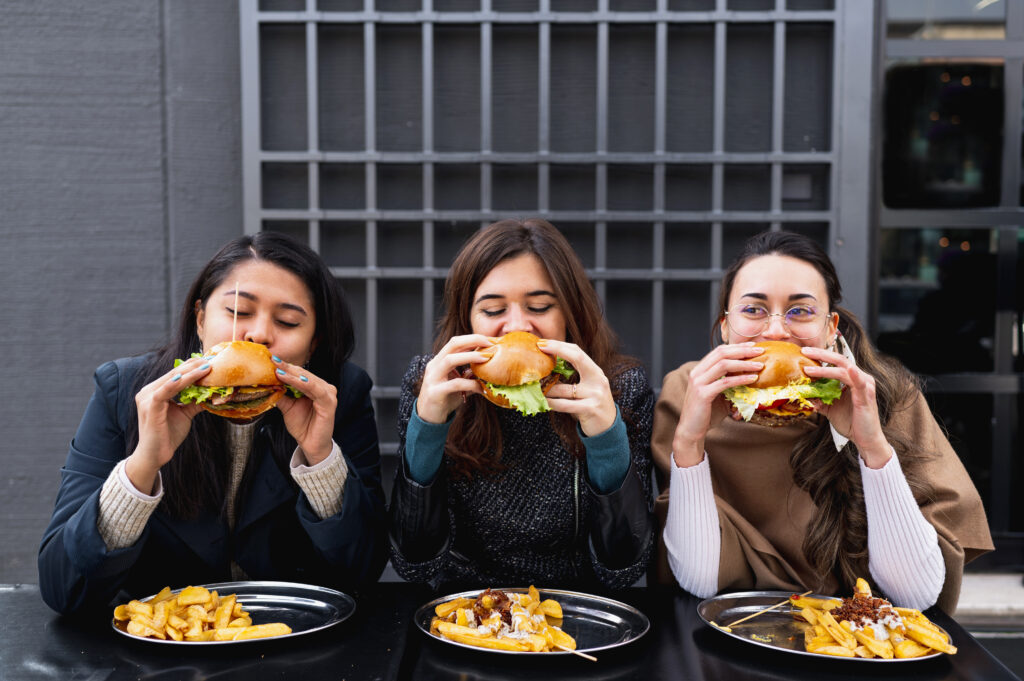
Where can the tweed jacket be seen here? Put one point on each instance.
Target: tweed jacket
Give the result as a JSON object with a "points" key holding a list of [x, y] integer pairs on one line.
{"points": [[535, 520]]}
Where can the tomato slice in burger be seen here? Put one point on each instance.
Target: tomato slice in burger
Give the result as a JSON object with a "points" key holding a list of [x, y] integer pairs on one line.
{"points": [[772, 405]]}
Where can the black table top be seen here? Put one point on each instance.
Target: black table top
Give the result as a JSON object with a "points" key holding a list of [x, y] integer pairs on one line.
{"points": [[380, 641]]}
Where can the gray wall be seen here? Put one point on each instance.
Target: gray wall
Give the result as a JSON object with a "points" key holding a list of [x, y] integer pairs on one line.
{"points": [[120, 176]]}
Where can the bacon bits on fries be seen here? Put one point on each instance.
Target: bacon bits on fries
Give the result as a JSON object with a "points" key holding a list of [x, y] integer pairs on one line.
{"points": [[863, 626], [193, 614], [517, 622]]}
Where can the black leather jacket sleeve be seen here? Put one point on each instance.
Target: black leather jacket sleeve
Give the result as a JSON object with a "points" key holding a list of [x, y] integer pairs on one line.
{"points": [[419, 516], [622, 526]]}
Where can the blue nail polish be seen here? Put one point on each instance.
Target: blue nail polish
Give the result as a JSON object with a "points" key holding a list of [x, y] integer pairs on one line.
{"points": [[205, 366], [303, 379], [275, 358], [281, 372], [176, 377]]}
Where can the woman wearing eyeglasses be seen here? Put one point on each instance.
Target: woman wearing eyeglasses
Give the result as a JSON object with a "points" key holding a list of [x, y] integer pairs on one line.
{"points": [[866, 487]]}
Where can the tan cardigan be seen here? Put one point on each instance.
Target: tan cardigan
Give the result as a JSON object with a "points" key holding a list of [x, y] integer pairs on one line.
{"points": [[763, 515]]}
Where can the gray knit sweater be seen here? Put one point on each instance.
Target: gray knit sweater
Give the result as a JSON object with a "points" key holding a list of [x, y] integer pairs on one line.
{"points": [[530, 522]]}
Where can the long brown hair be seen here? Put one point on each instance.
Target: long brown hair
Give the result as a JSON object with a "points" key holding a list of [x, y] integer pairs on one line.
{"points": [[836, 541], [474, 439]]}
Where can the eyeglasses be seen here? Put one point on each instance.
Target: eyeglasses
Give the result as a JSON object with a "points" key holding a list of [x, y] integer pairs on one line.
{"points": [[802, 321]]}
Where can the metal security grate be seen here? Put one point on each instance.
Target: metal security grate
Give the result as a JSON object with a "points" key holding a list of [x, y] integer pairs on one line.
{"points": [[656, 134]]}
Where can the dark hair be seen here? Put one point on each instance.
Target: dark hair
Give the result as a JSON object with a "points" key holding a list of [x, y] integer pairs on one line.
{"points": [[836, 541], [474, 440], [196, 477]]}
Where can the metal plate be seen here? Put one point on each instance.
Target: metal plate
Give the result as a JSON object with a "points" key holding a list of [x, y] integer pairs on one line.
{"points": [[303, 607], [597, 623], [777, 629]]}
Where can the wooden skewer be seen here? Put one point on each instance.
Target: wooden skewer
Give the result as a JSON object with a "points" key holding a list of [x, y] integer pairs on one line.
{"points": [[576, 652], [234, 321], [728, 629]]}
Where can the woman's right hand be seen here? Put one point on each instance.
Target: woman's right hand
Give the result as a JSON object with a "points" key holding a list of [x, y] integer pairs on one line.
{"points": [[727, 366], [163, 422], [442, 388]]}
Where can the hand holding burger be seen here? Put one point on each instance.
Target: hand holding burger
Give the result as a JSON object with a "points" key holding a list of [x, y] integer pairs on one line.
{"points": [[517, 374], [242, 382], [782, 392]]}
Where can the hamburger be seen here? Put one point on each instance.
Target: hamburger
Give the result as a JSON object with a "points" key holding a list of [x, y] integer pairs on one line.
{"points": [[782, 392], [518, 373], [242, 382]]}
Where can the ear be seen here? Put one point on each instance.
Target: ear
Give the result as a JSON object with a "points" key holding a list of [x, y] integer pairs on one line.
{"points": [[200, 312], [723, 329], [833, 325]]}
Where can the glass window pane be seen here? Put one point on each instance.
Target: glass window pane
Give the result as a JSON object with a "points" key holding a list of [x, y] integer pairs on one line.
{"points": [[943, 135], [283, 87], [937, 298], [285, 185], [341, 91], [946, 20], [749, 64], [343, 244]]}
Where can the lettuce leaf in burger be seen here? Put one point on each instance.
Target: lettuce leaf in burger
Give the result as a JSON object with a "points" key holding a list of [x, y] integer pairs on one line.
{"points": [[782, 392], [519, 374]]}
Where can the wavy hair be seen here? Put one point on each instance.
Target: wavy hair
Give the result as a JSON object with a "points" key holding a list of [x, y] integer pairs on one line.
{"points": [[474, 440], [196, 478], [836, 542]]}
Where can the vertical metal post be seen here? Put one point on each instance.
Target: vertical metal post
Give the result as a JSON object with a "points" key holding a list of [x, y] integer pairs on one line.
{"points": [[252, 185]]}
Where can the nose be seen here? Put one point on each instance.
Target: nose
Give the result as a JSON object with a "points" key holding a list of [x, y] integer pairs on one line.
{"points": [[258, 331], [516, 320], [776, 329]]}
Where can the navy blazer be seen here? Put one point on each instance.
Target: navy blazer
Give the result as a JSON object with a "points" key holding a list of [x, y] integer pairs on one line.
{"points": [[277, 535]]}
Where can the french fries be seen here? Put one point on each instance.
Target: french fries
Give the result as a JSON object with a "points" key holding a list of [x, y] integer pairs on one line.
{"points": [[862, 626], [514, 622], [194, 614]]}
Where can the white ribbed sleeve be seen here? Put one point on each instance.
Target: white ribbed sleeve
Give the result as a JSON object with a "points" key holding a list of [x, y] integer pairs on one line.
{"points": [[324, 483], [692, 535], [903, 548], [124, 510]]}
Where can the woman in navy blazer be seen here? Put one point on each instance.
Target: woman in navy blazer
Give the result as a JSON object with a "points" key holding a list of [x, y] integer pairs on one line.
{"points": [[157, 493]]}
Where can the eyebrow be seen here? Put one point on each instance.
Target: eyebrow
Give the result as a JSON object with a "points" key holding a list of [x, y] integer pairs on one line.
{"points": [[287, 306], [530, 294], [794, 296]]}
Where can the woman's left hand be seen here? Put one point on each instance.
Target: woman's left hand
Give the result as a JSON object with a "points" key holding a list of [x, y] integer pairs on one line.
{"points": [[309, 419], [590, 400], [855, 414]]}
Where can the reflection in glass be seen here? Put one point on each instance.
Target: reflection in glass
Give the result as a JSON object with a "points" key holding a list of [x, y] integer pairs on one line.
{"points": [[937, 296], [946, 19], [943, 135]]}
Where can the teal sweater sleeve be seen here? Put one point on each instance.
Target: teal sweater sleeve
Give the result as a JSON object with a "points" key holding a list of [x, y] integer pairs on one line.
{"points": [[607, 456], [424, 446]]}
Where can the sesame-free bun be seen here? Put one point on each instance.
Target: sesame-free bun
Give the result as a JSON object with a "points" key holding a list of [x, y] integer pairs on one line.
{"points": [[515, 359], [783, 363], [248, 368], [239, 363]]}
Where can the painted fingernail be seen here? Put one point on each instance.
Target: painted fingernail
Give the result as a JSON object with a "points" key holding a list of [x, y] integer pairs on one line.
{"points": [[280, 372], [176, 377], [205, 366], [275, 358], [303, 379]]}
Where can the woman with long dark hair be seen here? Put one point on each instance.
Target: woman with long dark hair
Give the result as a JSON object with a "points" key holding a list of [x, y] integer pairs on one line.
{"points": [[157, 493], [487, 496], [867, 487]]}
